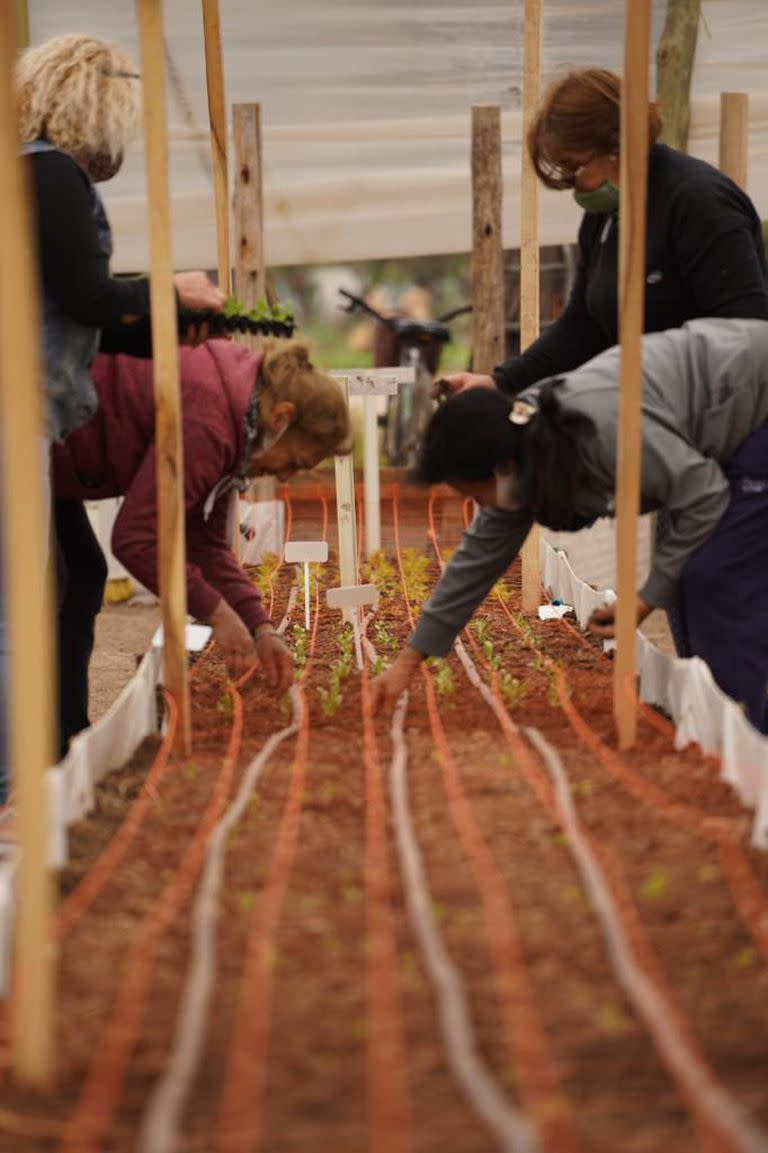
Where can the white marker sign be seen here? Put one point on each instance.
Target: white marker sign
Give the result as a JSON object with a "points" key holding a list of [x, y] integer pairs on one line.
{"points": [[351, 598], [375, 381], [306, 552]]}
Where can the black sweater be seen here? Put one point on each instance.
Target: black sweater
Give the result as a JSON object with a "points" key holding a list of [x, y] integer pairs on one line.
{"points": [[704, 257], [72, 267]]}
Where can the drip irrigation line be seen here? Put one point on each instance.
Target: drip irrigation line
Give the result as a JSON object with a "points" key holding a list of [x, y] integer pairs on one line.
{"points": [[99, 1097], [162, 1120], [723, 1116], [524, 1034], [389, 1105], [508, 1125], [239, 1125], [712, 1106]]}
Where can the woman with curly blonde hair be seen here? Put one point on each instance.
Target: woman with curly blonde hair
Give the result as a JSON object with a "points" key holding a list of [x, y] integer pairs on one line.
{"points": [[244, 415], [78, 102]]}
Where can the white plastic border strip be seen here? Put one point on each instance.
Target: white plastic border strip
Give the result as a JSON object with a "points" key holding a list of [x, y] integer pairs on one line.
{"points": [[686, 691], [106, 745]]}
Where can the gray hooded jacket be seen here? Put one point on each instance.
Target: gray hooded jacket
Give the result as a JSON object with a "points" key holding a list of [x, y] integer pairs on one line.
{"points": [[705, 389]]}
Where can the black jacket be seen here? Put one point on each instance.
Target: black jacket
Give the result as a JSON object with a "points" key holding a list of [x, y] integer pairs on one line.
{"points": [[704, 257]]}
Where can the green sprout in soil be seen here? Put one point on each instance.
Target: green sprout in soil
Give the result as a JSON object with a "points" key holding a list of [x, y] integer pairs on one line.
{"points": [[415, 566], [268, 566], [300, 649], [380, 572], [331, 697], [443, 679]]}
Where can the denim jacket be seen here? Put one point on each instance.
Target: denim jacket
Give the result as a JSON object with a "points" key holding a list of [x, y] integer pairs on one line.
{"points": [[68, 346]]}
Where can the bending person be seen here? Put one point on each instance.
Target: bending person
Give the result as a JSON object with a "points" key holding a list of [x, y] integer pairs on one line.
{"points": [[704, 248], [550, 456], [244, 415]]}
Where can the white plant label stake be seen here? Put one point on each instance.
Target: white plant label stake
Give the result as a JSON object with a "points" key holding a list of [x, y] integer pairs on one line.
{"points": [[306, 552], [350, 599], [371, 383]]}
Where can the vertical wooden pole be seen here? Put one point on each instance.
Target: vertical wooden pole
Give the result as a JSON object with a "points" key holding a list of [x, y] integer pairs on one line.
{"points": [[529, 256], [27, 607], [250, 273], [487, 256], [168, 431], [632, 218], [22, 24], [734, 136], [217, 116], [250, 268]]}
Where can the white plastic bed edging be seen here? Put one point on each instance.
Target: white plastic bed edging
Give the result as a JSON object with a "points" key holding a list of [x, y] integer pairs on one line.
{"points": [[686, 691], [105, 746]]}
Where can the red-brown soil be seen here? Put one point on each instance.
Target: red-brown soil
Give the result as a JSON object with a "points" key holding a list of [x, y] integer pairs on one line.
{"points": [[352, 1056]]}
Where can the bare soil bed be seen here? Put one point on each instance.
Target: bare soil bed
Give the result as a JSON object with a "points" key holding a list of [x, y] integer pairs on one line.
{"points": [[323, 1029]]}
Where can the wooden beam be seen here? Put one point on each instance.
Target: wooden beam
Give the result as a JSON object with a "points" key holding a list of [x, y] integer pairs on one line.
{"points": [[734, 136], [487, 254], [675, 58], [21, 36], [632, 228], [250, 272], [529, 256], [27, 601], [168, 429], [217, 116]]}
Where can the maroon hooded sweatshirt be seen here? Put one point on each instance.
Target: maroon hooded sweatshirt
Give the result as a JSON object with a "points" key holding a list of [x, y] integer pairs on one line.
{"points": [[114, 455]]}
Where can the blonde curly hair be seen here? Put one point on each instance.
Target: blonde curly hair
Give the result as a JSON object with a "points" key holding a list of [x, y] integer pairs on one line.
{"points": [[287, 373], [81, 94]]}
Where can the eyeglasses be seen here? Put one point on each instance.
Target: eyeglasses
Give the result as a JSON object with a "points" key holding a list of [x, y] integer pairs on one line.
{"points": [[567, 177]]}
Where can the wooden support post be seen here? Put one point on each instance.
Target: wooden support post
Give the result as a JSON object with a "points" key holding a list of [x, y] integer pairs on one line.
{"points": [[21, 36], [734, 136], [27, 603], [529, 257], [168, 432], [217, 116], [633, 185], [487, 256], [250, 269], [675, 57], [250, 273]]}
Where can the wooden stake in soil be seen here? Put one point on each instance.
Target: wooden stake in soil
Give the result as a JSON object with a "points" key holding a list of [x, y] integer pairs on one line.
{"points": [[27, 595], [250, 269], [734, 136], [370, 383], [170, 451], [217, 115], [529, 257], [633, 184]]}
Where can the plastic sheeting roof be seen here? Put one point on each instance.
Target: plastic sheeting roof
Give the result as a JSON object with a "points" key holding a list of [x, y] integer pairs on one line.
{"points": [[366, 113]]}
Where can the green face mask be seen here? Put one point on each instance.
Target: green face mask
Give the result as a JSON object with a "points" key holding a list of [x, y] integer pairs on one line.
{"points": [[603, 199]]}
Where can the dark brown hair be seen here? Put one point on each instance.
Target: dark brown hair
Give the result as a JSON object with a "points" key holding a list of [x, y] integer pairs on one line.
{"points": [[580, 115]]}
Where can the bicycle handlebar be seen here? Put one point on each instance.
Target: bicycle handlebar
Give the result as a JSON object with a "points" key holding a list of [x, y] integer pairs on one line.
{"points": [[357, 302]]}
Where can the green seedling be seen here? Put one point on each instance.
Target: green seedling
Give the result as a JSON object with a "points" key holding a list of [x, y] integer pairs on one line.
{"points": [[330, 698], [246, 901], [443, 679], [380, 572], [379, 665], [746, 958], [264, 578], [300, 648], [225, 704], [383, 637], [511, 690], [415, 566], [655, 885]]}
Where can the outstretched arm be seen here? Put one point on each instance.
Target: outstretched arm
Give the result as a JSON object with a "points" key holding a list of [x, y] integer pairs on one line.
{"points": [[487, 549]]}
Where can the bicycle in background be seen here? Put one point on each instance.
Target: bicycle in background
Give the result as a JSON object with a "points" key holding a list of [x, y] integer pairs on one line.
{"points": [[416, 343]]}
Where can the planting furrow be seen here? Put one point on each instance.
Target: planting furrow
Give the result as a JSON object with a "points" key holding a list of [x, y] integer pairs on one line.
{"points": [[389, 1107], [525, 1038], [507, 1124], [240, 1121], [98, 1100], [716, 1110]]}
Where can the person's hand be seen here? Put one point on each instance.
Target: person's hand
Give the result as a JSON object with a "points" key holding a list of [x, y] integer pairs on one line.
{"points": [[388, 687], [276, 658], [602, 623], [237, 646], [458, 381], [198, 293], [194, 334]]}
